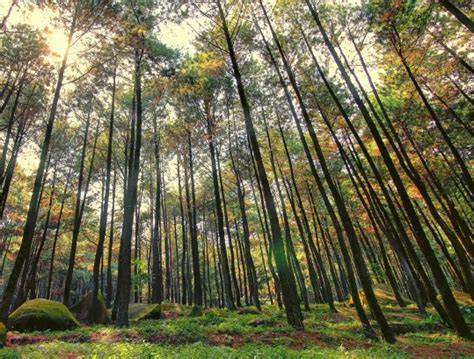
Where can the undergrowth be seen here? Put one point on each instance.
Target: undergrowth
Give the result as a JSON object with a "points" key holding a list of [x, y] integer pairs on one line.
{"points": [[220, 333]]}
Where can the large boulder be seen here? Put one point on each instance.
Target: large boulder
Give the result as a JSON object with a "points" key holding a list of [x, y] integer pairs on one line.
{"points": [[3, 334], [42, 314], [174, 310], [140, 311], [91, 313]]}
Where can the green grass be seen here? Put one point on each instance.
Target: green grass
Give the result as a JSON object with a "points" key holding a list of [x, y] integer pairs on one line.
{"points": [[220, 333], [196, 350]]}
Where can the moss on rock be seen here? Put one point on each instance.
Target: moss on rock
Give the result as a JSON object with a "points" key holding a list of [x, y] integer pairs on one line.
{"points": [[42, 314], [139, 311], [175, 308], [3, 334], [91, 313]]}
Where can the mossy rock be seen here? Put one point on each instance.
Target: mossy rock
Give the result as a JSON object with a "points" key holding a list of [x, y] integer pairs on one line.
{"points": [[384, 295], [42, 314], [139, 311], [176, 308], [196, 311], [3, 334], [88, 312]]}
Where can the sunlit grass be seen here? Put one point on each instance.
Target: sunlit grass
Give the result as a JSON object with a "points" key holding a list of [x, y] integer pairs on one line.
{"points": [[220, 333]]}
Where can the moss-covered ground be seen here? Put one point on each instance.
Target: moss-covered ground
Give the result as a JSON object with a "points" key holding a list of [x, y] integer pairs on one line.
{"points": [[221, 333]]}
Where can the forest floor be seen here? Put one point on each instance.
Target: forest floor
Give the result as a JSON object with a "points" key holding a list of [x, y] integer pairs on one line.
{"points": [[246, 334]]}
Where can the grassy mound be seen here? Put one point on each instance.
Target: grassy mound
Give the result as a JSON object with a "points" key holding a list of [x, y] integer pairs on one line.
{"points": [[384, 294], [88, 312], [138, 311], [42, 314], [196, 311], [248, 310], [3, 334]]}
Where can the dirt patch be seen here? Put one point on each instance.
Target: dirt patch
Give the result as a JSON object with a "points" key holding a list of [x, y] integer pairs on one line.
{"points": [[18, 339], [335, 318], [233, 340], [163, 338], [104, 337], [130, 337], [355, 343], [400, 328], [220, 339], [437, 350], [71, 355], [76, 338], [300, 340]]}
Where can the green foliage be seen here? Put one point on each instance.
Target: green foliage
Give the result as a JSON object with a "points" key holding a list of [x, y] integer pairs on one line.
{"points": [[6, 353], [42, 314], [141, 277]]}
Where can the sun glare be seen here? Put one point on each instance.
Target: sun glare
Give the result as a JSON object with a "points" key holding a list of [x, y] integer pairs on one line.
{"points": [[41, 19], [57, 41]]}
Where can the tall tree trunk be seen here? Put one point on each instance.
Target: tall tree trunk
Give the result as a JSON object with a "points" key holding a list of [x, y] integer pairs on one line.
{"points": [[157, 267], [228, 296], [105, 208], [458, 14], [125, 258], [183, 236], [229, 237], [109, 292], [288, 286], [197, 287]]}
